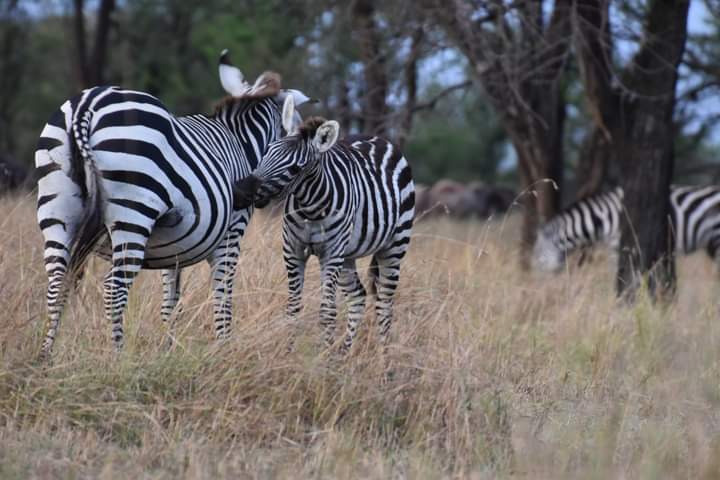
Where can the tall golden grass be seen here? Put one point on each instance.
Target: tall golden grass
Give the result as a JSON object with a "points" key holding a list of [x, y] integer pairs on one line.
{"points": [[491, 372]]}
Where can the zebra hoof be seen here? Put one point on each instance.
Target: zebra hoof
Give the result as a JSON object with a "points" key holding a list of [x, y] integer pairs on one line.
{"points": [[44, 358], [345, 349], [169, 343]]}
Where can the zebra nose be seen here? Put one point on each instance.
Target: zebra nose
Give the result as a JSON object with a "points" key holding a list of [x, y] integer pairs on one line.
{"points": [[244, 192]]}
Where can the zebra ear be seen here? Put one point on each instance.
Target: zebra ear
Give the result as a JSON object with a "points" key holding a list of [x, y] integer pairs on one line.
{"points": [[288, 115], [326, 135], [231, 77], [297, 95]]}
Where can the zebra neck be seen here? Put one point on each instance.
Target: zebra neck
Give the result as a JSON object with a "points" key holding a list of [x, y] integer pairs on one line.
{"points": [[255, 122], [316, 194]]}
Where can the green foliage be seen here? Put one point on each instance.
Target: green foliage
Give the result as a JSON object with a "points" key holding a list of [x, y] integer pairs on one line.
{"points": [[166, 47], [461, 139]]}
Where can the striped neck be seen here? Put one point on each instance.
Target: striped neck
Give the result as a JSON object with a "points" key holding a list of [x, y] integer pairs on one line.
{"points": [[314, 195]]}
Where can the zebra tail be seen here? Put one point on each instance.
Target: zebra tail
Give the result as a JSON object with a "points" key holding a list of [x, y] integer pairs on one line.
{"points": [[372, 276], [91, 229]]}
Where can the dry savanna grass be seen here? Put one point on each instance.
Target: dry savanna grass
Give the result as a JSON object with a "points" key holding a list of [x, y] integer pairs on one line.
{"points": [[491, 372]]}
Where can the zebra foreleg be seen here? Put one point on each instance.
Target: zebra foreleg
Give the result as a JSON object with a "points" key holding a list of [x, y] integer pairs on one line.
{"points": [[295, 267], [128, 242], [330, 269], [355, 294], [171, 296]]}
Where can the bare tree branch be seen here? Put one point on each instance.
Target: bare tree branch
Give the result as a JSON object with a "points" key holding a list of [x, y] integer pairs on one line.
{"points": [[430, 104]]}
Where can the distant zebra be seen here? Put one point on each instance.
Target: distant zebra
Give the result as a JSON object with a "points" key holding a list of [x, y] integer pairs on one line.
{"points": [[695, 218], [118, 170], [345, 200]]}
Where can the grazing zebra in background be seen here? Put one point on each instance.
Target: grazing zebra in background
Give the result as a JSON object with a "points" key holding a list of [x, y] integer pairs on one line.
{"points": [[345, 200], [118, 170], [695, 219]]}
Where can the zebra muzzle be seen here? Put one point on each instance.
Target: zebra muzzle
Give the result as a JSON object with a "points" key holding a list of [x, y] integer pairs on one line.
{"points": [[244, 192]]}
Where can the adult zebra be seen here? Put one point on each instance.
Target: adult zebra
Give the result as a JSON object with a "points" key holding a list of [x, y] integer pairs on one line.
{"points": [[345, 200], [695, 219], [116, 168]]}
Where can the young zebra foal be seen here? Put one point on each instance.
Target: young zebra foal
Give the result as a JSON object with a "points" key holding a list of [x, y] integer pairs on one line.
{"points": [[344, 200]]}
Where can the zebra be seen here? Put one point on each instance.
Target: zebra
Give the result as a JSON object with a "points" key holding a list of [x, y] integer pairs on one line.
{"points": [[343, 200], [694, 216], [119, 174]]}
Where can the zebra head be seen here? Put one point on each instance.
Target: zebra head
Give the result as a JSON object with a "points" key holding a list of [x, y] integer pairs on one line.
{"points": [[288, 160], [547, 255], [255, 109]]}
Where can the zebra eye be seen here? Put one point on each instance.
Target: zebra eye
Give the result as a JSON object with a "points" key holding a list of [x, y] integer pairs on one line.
{"points": [[293, 169]]}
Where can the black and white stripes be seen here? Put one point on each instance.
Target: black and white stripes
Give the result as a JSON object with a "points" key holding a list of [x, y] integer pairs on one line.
{"points": [[695, 220], [119, 173], [345, 200]]}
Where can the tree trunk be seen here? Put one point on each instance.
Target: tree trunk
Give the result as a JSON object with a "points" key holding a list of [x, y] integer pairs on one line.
{"points": [[13, 41], [100, 47], [540, 160], [530, 205], [91, 67], [376, 82], [594, 164], [344, 108], [646, 244], [80, 44], [635, 115]]}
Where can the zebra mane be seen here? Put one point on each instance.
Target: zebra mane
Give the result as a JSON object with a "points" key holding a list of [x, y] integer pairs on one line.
{"points": [[267, 85], [310, 126]]}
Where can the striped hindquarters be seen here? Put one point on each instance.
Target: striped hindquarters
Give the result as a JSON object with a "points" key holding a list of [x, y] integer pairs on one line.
{"points": [[386, 197], [696, 218]]}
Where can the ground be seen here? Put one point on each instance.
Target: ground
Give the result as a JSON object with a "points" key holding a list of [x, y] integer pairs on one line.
{"points": [[491, 372]]}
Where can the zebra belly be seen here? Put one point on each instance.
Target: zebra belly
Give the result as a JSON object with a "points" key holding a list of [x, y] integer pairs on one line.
{"points": [[177, 246], [180, 237], [175, 255]]}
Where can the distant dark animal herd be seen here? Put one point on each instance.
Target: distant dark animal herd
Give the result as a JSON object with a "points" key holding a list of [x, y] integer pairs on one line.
{"points": [[464, 201]]}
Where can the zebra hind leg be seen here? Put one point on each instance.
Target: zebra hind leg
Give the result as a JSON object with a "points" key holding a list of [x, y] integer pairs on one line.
{"points": [[58, 215], [330, 269], [128, 243], [386, 282], [57, 259], [223, 263], [355, 294], [385, 275], [171, 295]]}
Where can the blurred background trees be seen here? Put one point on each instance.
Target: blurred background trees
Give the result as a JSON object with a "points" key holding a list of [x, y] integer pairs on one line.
{"points": [[498, 91]]}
